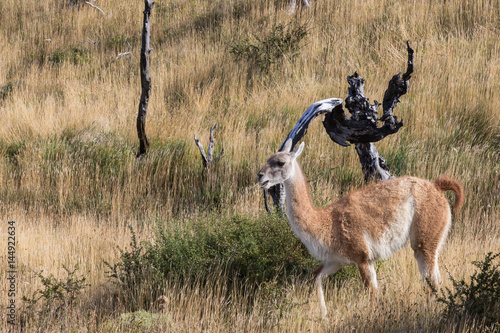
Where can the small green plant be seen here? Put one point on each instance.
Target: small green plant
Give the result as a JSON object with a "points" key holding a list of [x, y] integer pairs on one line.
{"points": [[479, 299], [282, 41], [56, 297], [136, 275], [76, 55], [13, 150], [129, 269], [6, 89]]}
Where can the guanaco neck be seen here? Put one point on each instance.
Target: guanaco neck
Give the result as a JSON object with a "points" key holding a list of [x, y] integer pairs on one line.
{"points": [[300, 209]]}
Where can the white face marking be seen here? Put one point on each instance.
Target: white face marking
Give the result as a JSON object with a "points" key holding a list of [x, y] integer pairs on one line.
{"points": [[280, 166], [277, 170]]}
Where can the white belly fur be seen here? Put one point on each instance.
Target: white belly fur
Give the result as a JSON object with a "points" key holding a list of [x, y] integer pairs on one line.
{"points": [[396, 236]]}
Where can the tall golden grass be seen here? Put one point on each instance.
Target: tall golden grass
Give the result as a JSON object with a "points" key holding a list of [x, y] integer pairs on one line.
{"points": [[69, 177]]}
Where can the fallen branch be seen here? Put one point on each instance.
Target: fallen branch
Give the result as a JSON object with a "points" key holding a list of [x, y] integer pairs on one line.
{"points": [[94, 6], [123, 55]]}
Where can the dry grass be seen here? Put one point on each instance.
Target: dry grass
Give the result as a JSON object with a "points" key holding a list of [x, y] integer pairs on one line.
{"points": [[67, 142]]}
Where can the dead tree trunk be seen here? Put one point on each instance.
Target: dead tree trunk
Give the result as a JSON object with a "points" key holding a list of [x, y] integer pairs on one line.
{"points": [[145, 80], [208, 158], [359, 129]]}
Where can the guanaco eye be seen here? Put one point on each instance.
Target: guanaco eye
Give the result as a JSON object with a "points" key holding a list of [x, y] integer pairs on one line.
{"points": [[280, 163]]}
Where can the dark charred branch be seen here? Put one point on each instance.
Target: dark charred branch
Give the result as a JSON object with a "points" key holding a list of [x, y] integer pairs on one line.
{"points": [[371, 163], [266, 203], [360, 128], [145, 80], [277, 193], [344, 130], [300, 129], [208, 158], [358, 105], [397, 87]]}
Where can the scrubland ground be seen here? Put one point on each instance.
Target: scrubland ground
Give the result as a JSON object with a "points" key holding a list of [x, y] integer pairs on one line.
{"points": [[70, 181]]}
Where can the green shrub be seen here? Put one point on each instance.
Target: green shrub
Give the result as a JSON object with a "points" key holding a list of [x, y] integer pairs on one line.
{"points": [[13, 150], [477, 300], [76, 55], [282, 41], [120, 42], [247, 250], [55, 298], [7, 89]]}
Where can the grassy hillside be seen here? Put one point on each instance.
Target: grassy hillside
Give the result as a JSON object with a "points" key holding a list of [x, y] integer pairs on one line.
{"points": [[69, 178]]}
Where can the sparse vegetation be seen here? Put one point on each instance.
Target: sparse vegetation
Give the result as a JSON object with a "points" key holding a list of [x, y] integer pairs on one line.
{"points": [[69, 178], [76, 55], [478, 299], [250, 251], [57, 298], [282, 42]]}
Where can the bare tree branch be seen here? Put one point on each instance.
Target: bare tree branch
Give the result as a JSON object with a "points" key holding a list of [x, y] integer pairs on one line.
{"points": [[397, 87], [208, 158], [266, 201], [128, 55], [202, 152], [211, 144], [94, 6]]}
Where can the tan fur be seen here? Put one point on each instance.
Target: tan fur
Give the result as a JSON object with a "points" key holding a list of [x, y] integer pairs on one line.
{"points": [[368, 224], [446, 184]]}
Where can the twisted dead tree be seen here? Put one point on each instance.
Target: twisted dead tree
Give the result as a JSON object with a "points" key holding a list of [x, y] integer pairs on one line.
{"points": [[145, 80], [360, 129]]}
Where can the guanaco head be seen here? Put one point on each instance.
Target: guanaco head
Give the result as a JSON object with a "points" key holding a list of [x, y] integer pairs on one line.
{"points": [[280, 166]]}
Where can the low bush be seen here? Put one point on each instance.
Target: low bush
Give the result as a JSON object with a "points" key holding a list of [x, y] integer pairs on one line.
{"points": [[75, 55], [254, 251], [251, 249], [55, 299], [262, 52], [478, 300]]}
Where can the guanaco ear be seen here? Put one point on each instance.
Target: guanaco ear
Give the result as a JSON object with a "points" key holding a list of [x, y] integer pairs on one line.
{"points": [[288, 146], [298, 151]]}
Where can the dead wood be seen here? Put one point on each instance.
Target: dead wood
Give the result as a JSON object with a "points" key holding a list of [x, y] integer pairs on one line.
{"points": [[145, 80], [360, 129], [208, 158]]}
